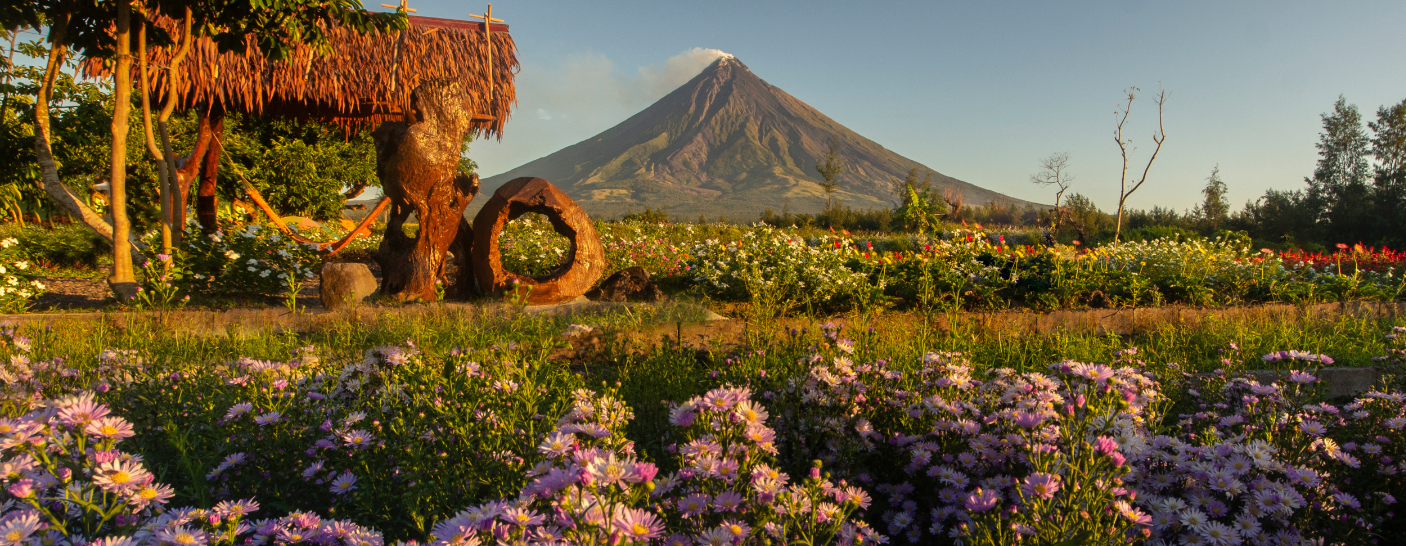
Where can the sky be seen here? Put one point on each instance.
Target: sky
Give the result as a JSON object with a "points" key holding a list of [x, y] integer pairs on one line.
{"points": [[980, 91]]}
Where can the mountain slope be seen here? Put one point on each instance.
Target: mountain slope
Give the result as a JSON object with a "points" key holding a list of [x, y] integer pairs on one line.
{"points": [[726, 143]]}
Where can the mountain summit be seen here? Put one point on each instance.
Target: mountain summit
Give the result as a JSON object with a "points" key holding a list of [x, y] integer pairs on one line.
{"points": [[726, 143]]}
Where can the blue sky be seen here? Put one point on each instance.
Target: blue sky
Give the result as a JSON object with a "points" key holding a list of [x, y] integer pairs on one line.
{"points": [[981, 90]]}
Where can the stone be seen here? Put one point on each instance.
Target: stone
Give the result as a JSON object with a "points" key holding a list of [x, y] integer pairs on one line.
{"points": [[1338, 383], [629, 284], [345, 283], [584, 264]]}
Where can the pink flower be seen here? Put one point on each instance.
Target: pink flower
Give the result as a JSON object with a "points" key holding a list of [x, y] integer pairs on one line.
{"points": [[727, 501], [611, 470], [344, 483], [110, 427], [638, 525], [693, 505], [1028, 420], [1105, 445], [522, 517], [980, 501], [1041, 485], [22, 488]]}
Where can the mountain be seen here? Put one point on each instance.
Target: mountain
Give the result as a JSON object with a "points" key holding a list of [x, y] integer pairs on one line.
{"points": [[726, 143]]}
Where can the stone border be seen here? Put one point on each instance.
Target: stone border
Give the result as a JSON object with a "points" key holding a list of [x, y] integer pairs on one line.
{"points": [[1100, 321], [1337, 382]]}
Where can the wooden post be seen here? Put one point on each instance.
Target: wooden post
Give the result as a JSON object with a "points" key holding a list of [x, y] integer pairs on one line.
{"points": [[400, 39], [488, 21]]}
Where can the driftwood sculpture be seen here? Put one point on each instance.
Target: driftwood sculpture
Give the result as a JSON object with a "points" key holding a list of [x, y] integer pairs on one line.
{"points": [[417, 161], [583, 265]]}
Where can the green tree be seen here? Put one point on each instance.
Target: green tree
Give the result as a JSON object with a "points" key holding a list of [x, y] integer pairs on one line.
{"points": [[1389, 182], [1338, 190], [1214, 209], [1085, 218], [303, 169], [920, 209], [830, 166]]}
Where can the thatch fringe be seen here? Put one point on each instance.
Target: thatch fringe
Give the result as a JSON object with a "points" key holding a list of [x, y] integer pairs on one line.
{"points": [[362, 80]]}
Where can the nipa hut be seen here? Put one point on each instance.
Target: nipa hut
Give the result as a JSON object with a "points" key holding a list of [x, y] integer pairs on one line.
{"points": [[357, 82]]}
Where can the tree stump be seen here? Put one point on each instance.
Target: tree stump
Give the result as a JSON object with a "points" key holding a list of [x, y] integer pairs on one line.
{"points": [[417, 161], [584, 264]]}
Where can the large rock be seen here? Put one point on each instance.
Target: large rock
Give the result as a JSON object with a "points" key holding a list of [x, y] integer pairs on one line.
{"points": [[344, 283], [629, 284], [584, 263]]}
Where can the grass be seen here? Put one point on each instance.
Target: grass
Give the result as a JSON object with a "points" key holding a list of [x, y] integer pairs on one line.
{"points": [[649, 374]]}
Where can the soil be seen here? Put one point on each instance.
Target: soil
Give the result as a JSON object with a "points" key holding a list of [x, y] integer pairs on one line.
{"points": [[92, 294]]}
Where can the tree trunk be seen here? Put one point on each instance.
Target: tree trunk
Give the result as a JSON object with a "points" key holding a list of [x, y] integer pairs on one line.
{"points": [[48, 168], [163, 183], [206, 200], [186, 170], [122, 281], [417, 162]]}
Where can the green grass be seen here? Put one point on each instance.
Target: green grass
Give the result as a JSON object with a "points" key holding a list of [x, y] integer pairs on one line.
{"points": [[650, 375]]}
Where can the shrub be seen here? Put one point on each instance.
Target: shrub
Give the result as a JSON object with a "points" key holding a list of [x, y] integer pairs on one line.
{"points": [[15, 290], [248, 258], [69, 245]]}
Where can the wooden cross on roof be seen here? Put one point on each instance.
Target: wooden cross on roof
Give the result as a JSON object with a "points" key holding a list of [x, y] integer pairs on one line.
{"points": [[488, 21], [399, 40], [402, 7]]}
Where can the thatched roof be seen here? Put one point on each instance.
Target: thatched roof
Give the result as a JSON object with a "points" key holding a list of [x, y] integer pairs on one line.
{"points": [[362, 81]]}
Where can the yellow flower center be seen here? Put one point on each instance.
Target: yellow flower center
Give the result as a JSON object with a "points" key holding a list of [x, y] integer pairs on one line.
{"points": [[120, 476]]}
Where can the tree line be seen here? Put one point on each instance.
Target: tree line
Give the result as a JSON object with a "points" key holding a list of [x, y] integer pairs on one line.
{"points": [[1356, 194]]}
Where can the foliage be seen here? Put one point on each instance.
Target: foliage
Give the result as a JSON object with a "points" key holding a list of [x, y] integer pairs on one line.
{"points": [[80, 126], [64, 246], [300, 168], [648, 216], [16, 289], [161, 280], [1215, 209], [775, 270], [395, 439], [247, 259], [590, 488]]}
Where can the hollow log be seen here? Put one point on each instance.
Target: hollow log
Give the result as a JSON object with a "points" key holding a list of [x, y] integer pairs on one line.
{"points": [[584, 263], [417, 161]]}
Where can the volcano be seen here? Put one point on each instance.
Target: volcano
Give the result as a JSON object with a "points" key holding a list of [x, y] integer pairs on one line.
{"points": [[728, 143]]}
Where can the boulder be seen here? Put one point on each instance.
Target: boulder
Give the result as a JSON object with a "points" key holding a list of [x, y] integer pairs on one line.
{"points": [[344, 283], [629, 284]]}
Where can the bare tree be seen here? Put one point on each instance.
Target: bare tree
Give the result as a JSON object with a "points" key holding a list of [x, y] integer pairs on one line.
{"points": [[1054, 171], [1159, 137], [954, 199], [829, 167]]}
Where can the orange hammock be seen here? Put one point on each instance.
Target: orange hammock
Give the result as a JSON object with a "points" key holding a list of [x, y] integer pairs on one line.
{"points": [[330, 248]]}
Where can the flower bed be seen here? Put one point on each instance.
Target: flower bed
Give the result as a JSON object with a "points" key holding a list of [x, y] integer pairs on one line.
{"points": [[493, 446]]}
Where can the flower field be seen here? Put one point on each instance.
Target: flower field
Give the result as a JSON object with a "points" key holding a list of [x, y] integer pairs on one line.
{"points": [[967, 269], [782, 270], [839, 434]]}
